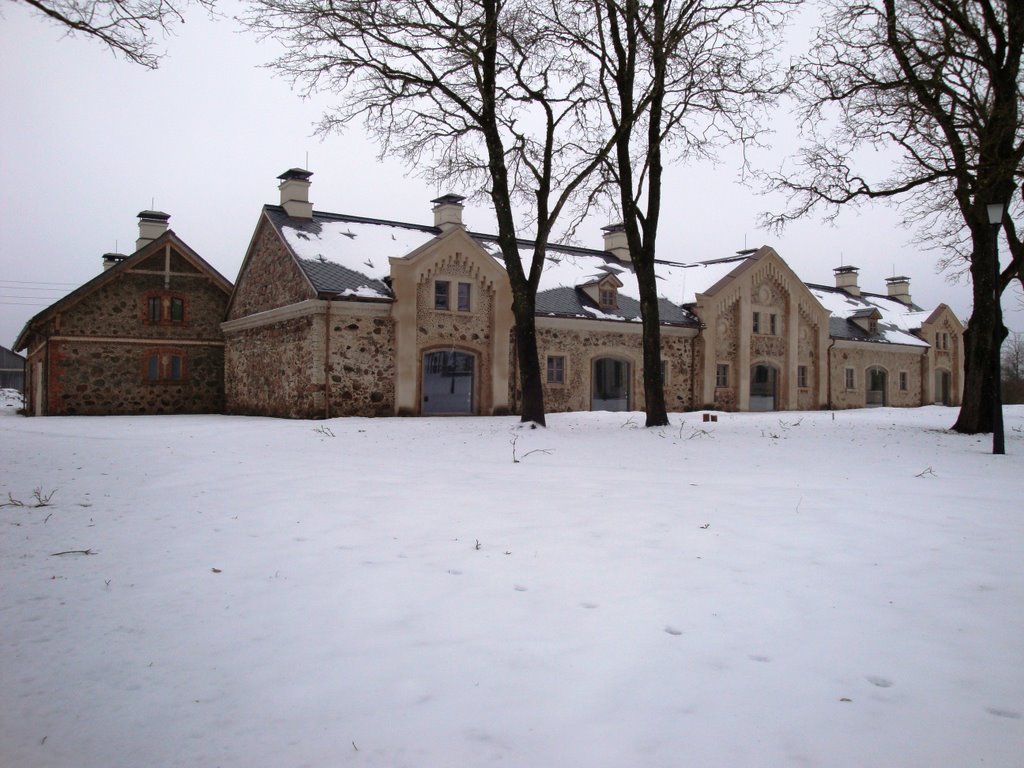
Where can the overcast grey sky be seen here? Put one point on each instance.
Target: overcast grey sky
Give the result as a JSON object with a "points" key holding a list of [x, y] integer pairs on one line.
{"points": [[89, 140]]}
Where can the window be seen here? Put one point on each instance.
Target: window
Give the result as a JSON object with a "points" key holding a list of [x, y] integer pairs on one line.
{"points": [[757, 322], [556, 369], [851, 381], [463, 298], [801, 376], [165, 365], [664, 371], [722, 374], [945, 341], [165, 308], [903, 381], [441, 291], [609, 299], [772, 324]]}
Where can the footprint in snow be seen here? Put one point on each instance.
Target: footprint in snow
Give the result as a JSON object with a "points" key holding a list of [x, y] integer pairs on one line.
{"points": [[762, 659], [879, 682], [673, 631], [588, 606], [519, 588]]}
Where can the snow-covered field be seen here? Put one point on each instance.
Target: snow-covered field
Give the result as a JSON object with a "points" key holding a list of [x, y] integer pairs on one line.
{"points": [[768, 590]]}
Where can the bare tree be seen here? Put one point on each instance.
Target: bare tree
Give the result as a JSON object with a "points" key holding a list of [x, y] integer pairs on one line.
{"points": [[124, 26], [939, 83], [675, 76], [470, 92], [1013, 368]]}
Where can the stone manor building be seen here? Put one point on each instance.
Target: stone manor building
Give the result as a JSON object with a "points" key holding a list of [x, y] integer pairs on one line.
{"points": [[333, 315]]}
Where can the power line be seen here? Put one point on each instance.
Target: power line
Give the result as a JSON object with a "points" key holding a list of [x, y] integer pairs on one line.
{"points": [[36, 282]]}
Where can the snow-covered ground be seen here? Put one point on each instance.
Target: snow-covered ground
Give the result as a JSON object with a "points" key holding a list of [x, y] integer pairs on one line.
{"points": [[768, 590]]}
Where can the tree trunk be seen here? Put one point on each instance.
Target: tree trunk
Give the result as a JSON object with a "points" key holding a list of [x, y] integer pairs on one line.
{"points": [[654, 384], [980, 348], [528, 360]]}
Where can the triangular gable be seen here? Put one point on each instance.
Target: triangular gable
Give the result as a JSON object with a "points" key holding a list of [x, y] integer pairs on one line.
{"points": [[765, 256], [243, 271], [436, 250], [131, 263]]}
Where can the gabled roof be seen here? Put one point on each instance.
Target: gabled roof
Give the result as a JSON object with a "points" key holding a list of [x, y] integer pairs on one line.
{"points": [[896, 321], [116, 271], [349, 256]]}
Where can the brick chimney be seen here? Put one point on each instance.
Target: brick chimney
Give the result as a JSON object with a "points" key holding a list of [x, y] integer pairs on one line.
{"points": [[615, 241], [294, 189], [448, 212], [899, 288], [846, 279], [152, 224]]}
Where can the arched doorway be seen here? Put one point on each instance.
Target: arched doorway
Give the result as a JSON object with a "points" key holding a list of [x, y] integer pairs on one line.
{"points": [[448, 378], [610, 391], [764, 381], [876, 394], [943, 386]]}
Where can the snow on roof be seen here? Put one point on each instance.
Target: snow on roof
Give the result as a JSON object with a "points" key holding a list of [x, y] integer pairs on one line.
{"points": [[896, 325], [349, 254]]}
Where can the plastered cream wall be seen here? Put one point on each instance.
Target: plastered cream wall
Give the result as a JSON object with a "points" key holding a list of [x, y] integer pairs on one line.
{"points": [[483, 331], [796, 337]]}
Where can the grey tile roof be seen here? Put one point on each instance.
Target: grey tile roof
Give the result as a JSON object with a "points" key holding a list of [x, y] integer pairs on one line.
{"points": [[328, 277]]}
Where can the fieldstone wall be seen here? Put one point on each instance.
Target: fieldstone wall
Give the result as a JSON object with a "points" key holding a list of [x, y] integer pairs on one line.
{"points": [[876, 356], [362, 364], [581, 347], [270, 279], [106, 378], [119, 309], [277, 369]]}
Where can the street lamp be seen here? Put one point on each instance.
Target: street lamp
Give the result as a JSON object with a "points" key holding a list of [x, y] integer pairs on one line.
{"points": [[995, 218]]}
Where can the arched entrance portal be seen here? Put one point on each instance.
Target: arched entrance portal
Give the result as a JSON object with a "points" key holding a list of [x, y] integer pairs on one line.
{"points": [[764, 380], [943, 386], [610, 390], [448, 378], [877, 378]]}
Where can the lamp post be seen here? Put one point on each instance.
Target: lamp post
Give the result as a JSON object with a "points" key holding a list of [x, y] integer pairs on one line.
{"points": [[995, 218]]}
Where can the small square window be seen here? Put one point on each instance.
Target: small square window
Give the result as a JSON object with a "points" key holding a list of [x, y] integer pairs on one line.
{"points": [[556, 369], [773, 328], [153, 309], [722, 375], [463, 298], [153, 368], [664, 371], [442, 289], [177, 310], [165, 366], [850, 379], [801, 376], [609, 298], [757, 322], [903, 381]]}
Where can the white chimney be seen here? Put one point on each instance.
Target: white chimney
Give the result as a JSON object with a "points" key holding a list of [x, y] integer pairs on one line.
{"points": [[152, 224], [846, 280], [615, 241], [112, 259], [294, 189], [448, 212], [899, 288]]}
